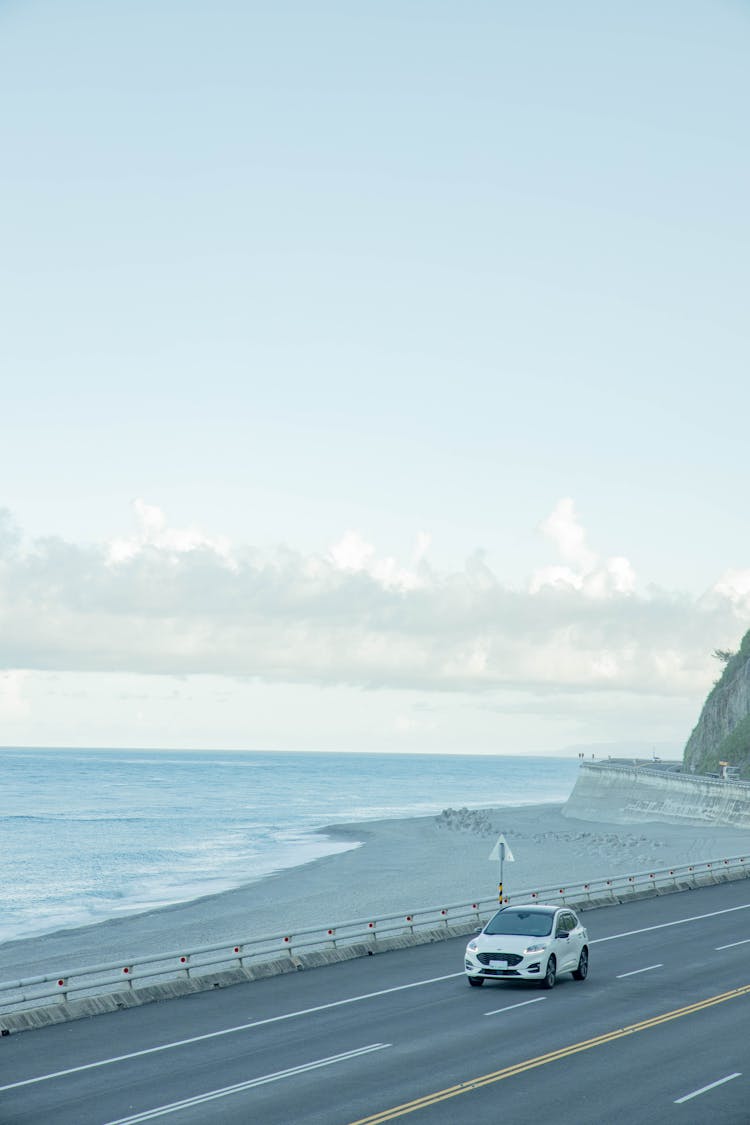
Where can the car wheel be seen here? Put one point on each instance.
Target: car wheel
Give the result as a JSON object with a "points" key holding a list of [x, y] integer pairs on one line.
{"points": [[551, 974], [476, 982], [583, 965]]}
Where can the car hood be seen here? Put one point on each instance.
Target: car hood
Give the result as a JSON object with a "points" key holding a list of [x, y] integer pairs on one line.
{"points": [[507, 943]]}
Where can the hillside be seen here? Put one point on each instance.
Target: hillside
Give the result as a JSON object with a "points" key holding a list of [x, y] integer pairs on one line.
{"points": [[722, 733]]}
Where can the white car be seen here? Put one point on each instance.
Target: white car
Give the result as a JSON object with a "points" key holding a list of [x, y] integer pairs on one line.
{"points": [[532, 942]]}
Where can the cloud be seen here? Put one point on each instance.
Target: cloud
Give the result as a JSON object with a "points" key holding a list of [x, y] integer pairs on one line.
{"points": [[153, 532], [179, 601], [565, 531], [356, 556], [581, 568], [734, 585], [13, 704]]}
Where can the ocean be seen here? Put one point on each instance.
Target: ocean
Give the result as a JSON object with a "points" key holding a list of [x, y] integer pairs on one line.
{"points": [[88, 835]]}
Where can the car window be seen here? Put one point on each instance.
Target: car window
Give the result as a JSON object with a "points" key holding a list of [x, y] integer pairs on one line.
{"points": [[566, 924], [529, 923]]}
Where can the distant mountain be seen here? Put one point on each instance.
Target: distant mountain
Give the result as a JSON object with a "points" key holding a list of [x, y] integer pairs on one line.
{"points": [[722, 733]]}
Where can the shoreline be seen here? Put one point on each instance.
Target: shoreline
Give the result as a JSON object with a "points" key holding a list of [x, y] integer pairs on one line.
{"points": [[402, 864]]}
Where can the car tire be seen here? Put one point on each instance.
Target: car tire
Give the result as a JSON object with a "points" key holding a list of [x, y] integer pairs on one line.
{"points": [[551, 973], [476, 982], [583, 965]]}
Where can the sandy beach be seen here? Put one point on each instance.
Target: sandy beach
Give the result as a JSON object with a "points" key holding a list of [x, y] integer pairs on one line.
{"points": [[399, 865]]}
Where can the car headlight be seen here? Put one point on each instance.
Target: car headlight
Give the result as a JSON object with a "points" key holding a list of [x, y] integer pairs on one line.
{"points": [[538, 948], [472, 947]]}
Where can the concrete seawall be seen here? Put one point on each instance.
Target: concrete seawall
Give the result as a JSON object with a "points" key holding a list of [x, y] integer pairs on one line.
{"points": [[628, 794]]}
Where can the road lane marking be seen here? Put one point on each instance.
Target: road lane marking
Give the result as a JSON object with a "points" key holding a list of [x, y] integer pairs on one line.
{"points": [[226, 1031], [635, 972], [732, 944], [510, 1007], [704, 1089], [239, 1087], [541, 1060], [666, 925]]}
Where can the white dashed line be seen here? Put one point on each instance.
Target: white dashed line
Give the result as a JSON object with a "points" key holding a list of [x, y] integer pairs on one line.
{"points": [[510, 1007], [704, 1089]]}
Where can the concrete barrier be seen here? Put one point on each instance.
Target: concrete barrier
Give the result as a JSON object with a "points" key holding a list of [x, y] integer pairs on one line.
{"points": [[629, 794]]}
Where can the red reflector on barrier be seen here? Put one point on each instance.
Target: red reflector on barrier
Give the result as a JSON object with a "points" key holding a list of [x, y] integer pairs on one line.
{"points": [[236, 949], [183, 960], [126, 970], [61, 983]]}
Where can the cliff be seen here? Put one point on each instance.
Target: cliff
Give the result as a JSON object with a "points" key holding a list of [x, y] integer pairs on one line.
{"points": [[722, 733]]}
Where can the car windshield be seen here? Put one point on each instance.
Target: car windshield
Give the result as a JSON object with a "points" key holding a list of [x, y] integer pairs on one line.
{"points": [[529, 923]]}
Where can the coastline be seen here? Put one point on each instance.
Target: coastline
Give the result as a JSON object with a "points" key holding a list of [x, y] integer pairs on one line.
{"points": [[401, 864]]}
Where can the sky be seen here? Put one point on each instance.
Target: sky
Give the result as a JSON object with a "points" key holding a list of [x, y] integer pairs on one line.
{"points": [[373, 376]]}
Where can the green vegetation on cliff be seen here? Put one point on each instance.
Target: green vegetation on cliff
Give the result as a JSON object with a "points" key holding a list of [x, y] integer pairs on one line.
{"points": [[733, 662], [736, 746], [722, 733]]}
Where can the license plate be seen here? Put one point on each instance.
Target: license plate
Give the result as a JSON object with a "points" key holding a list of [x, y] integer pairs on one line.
{"points": [[498, 964]]}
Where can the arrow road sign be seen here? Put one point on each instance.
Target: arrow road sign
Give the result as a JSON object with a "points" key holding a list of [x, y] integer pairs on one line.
{"points": [[501, 851]]}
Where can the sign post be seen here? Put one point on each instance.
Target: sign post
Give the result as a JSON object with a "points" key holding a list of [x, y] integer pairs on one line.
{"points": [[501, 853]]}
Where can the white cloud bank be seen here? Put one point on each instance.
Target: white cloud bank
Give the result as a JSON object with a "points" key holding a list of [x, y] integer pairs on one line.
{"points": [[179, 602]]}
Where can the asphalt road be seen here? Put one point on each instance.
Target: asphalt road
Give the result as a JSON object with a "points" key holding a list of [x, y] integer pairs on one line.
{"points": [[659, 1032]]}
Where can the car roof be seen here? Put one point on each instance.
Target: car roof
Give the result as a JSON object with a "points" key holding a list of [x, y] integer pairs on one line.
{"points": [[535, 907]]}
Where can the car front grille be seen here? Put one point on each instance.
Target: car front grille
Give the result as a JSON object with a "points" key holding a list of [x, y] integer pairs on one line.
{"points": [[511, 958]]}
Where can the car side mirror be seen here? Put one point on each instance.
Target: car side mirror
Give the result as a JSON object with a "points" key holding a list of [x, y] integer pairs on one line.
{"points": [[478, 931], [563, 933]]}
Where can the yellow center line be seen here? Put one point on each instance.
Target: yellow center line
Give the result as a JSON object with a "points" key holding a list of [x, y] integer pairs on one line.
{"points": [[551, 1056]]}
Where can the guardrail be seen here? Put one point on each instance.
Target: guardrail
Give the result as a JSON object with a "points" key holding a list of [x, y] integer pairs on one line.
{"points": [[639, 770], [82, 983]]}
